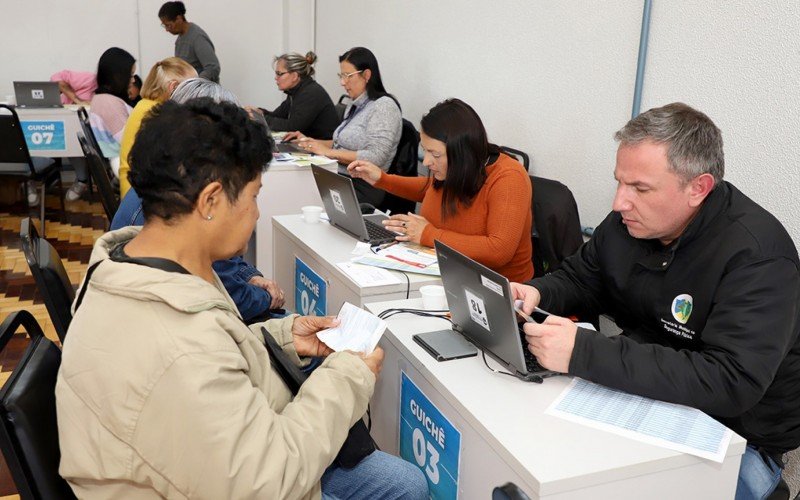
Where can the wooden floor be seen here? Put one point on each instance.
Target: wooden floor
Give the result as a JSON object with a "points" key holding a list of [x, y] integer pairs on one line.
{"points": [[73, 237]]}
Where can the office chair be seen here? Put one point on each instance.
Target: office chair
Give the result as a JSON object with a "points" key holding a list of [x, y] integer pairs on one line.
{"points": [[341, 106], [520, 156], [16, 161], [509, 491], [556, 231], [29, 430], [404, 163], [99, 172], [50, 277]]}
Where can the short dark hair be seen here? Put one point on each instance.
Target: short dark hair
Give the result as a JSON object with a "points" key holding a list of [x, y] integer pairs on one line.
{"points": [[181, 148], [459, 127], [114, 72], [363, 59], [171, 10]]}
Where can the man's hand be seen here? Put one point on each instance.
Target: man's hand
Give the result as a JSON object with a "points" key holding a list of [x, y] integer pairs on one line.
{"points": [[304, 332], [374, 361], [552, 342], [272, 288], [529, 296]]}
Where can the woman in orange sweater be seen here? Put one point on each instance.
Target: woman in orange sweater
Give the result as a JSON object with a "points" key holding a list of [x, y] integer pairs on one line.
{"points": [[476, 199]]}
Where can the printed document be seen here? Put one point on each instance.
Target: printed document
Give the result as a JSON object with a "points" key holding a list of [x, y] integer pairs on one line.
{"points": [[358, 331], [669, 425], [367, 276]]}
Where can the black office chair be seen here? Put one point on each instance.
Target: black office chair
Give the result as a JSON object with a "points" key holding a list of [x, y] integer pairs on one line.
{"points": [[781, 492], [99, 172], [29, 430], [520, 156], [16, 161], [341, 106], [50, 277], [509, 491], [556, 231], [404, 163]]}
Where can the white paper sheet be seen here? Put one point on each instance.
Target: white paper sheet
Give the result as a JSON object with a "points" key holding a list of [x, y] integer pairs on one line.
{"points": [[359, 331], [671, 426], [367, 276]]}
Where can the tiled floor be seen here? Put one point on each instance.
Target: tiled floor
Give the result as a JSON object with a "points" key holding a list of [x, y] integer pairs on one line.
{"points": [[73, 238]]}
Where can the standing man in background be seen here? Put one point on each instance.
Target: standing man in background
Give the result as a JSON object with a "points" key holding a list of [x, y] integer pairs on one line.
{"points": [[193, 44]]}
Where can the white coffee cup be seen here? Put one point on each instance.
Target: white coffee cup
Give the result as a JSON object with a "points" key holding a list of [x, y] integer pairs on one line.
{"points": [[433, 297], [311, 213]]}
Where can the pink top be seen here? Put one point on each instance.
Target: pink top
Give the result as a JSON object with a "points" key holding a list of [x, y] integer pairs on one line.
{"points": [[84, 83]]}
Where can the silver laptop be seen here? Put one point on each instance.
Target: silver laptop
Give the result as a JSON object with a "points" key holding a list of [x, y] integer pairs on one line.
{"points": [[339, 197], [482, 310], [37, 94]]}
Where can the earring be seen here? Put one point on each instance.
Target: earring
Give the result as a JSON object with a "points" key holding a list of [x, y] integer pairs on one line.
{"points": [[209, 217]]}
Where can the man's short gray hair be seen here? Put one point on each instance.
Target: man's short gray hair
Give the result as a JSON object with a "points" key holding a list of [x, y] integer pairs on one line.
{"points": [[200, 87], [694, 142]]}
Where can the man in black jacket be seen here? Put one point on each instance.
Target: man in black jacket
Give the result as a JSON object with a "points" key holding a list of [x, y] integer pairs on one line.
{"points": [[703, 282]]}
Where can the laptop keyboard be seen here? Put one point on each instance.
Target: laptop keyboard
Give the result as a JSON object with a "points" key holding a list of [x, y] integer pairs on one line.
{"points": [[530, 360], [377, 233]]}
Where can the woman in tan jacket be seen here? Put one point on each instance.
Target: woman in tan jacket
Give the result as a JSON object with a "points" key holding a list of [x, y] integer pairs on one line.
{"points": [[163, 391]]}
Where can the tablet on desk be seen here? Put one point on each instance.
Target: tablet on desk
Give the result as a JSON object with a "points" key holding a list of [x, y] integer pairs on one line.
{"points": [[444, 345]]}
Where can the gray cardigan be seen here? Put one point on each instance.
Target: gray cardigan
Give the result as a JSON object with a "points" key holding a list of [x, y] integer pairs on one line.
{"points": [[371, 129]]}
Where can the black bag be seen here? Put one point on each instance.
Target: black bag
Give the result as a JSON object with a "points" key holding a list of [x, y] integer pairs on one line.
{"points": [[359, 443]]}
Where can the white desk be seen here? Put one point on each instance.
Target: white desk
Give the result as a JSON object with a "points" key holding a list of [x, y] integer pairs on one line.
{"points": [[68, 116], [507, 437], [321, 246], [285, 189]]}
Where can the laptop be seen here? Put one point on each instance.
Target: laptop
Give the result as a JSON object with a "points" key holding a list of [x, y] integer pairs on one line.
{"points": [[288, 147], [482, 310], [339, 197], [37, 94]]}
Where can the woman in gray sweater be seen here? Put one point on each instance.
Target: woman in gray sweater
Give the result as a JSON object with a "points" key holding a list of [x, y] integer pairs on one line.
{"points": [[372, 122]]}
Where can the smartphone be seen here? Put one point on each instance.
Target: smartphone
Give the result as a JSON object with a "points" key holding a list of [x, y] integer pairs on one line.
{"points": [[538, 315]]}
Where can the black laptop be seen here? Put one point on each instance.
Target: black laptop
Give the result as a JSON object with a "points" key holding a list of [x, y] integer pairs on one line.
{"points": [[37, 95], [482, 310]]}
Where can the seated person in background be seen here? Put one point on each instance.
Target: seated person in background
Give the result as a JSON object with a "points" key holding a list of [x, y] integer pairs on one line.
{"points": [[372, 122], [253, 294], [163, 391], [704, 284], [135, 91], [77, 87], [476, 199], [193, 44], [159, 85], [307, 108]]}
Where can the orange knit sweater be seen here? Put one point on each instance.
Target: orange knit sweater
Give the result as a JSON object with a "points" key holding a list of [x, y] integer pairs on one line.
{"points": [[494, 230]]}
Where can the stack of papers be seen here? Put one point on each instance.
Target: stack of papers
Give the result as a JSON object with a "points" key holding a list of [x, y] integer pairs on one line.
{"points": [[669, 425], [358, 331], [406, 257], [367, 276]]}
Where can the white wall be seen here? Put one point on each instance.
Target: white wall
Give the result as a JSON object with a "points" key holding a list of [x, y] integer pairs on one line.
{"points": [[41, 37], [556, 78]]}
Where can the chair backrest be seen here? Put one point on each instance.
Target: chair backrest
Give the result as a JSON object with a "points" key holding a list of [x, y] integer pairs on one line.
{"points": [[99, 171], [521, 156], [405, 163], [341, 106], [556, 232], [28, 425], [14, 154], [509, 491], [50, 277]]}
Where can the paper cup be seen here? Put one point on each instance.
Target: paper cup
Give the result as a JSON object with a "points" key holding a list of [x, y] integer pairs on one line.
{"points": [[433, 298], [311, 213]]}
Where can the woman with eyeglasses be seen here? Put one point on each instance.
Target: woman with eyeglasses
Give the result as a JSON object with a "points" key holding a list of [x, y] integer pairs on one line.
{"points": [[372, 122], [307, 108], [475, 199], [159, 85]]}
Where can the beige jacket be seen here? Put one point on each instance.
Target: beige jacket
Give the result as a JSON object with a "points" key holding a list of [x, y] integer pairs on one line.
{"points": [[164, 392]]}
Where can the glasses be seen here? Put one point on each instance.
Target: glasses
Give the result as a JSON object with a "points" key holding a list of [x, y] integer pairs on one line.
{"points": [[346, 76], [279, 74], [168, 25]]}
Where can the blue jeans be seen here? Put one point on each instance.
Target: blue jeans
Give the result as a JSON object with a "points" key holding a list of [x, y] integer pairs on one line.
{"points": [[757, 477], [380, 475]]}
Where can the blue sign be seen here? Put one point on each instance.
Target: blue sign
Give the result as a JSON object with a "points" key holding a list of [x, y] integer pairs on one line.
{"points": [[309, 291], [429, 440], [44, 135]]}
